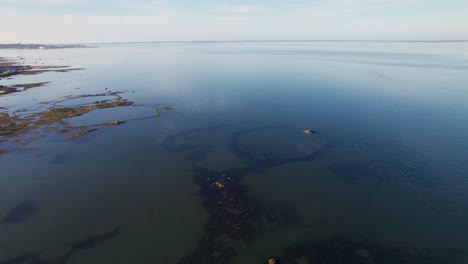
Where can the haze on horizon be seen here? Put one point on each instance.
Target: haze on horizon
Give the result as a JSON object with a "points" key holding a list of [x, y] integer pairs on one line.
{"points": [[90, 21]]}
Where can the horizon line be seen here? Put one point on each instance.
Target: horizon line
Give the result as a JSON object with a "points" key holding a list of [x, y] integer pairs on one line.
{"points": [[243, 41]]}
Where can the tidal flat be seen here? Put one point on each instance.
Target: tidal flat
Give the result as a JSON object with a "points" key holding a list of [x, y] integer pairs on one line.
{"points": [[272, 152]]}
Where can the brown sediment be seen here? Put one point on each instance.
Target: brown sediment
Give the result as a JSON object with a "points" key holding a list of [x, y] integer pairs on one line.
{"points": [[3, 151], [115, 123], [60, 113], [4, 90], [7, 90], [30, 85], [39, 71], [46, 67], [82, 133], [10, 125]]}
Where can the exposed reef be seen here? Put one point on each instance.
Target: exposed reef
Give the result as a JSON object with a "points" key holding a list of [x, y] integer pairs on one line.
{"points": [[15, 66], [4, 90], [7, 71], [22, 127]]}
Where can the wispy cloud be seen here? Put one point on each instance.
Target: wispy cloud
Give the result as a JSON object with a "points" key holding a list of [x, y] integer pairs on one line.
{"points": [[242, 9], [151, 20]]}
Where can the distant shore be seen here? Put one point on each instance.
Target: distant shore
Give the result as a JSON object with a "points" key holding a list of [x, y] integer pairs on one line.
{"points": [[42, 46]]}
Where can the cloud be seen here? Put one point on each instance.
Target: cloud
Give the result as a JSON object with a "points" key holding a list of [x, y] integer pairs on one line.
{"points": [[158, 20], [242, 9]]}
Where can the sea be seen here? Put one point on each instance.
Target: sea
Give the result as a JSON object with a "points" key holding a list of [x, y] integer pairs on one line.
{"points": [[228, 175]]}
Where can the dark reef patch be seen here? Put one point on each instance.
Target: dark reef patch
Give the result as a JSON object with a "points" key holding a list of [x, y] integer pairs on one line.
{"points": [[71, 250], [19, 213], [232, 215]]}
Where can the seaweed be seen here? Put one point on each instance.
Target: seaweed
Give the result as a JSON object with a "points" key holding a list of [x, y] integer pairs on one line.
{"points": [[20, 213], [11, 128]]}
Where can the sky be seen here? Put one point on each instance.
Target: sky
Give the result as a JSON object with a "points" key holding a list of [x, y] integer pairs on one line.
{"points": [[95, 21]]}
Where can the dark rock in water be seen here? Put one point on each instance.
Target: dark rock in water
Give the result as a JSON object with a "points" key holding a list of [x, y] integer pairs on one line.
{"points": [[20, 213]]}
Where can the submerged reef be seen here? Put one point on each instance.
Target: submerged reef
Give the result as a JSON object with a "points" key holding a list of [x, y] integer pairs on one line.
{"points": [[68, 250], [232, 216], [19, 213], [235, 219]]}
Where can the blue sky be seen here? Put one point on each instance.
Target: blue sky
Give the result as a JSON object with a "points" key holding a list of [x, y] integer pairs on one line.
{"points": [[67, 21]]}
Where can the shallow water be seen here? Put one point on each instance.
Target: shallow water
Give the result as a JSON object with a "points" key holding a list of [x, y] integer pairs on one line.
{"points": [[387, 165]]}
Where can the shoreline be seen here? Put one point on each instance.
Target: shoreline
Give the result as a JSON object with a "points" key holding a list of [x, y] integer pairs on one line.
{"points": [[44, 46]]}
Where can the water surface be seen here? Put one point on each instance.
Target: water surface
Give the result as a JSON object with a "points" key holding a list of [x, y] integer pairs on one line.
{"points": [[386, 167]]}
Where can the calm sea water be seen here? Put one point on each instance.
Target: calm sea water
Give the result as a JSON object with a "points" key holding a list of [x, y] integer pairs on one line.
{"points": [[388, 164]]}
